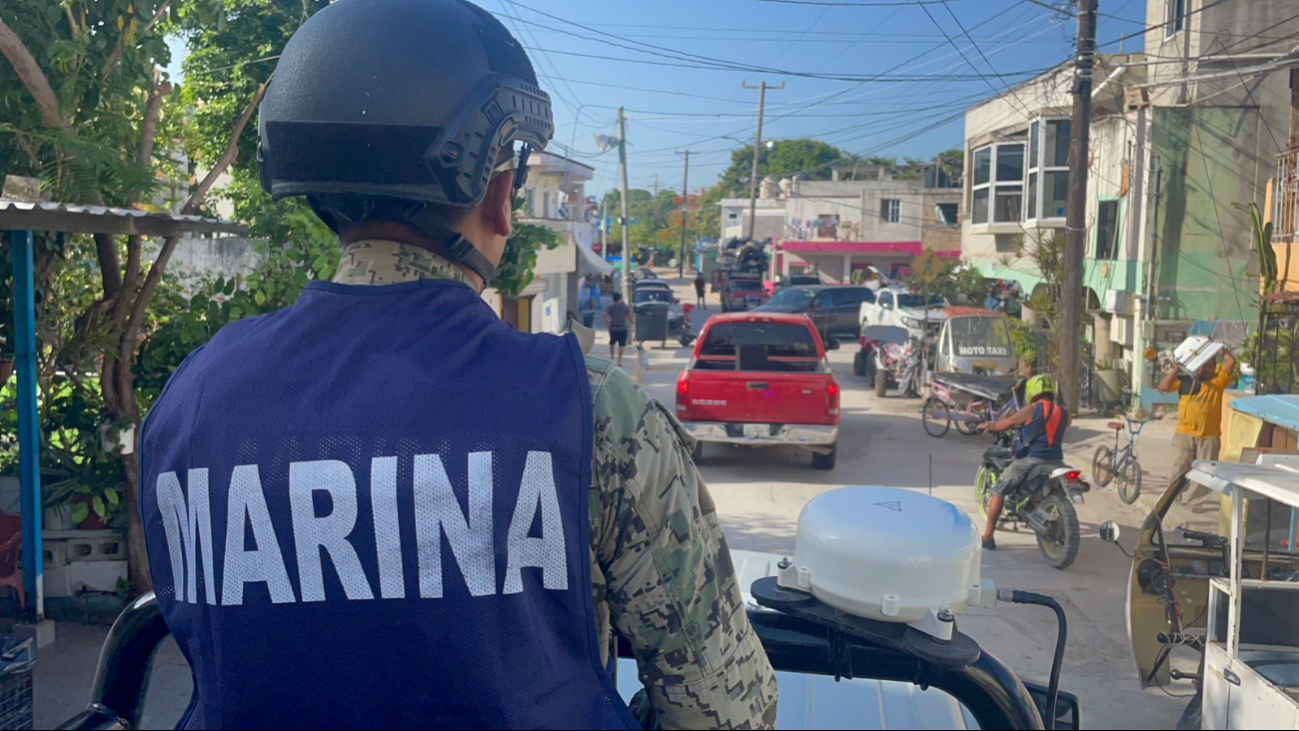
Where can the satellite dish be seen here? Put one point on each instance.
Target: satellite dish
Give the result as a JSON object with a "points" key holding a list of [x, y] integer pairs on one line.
{"points": [[604, 142]]}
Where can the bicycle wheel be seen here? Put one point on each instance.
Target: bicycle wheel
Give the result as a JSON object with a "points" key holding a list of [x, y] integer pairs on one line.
{"points": [[1130, 482], [1103, 466], [936, 417]]}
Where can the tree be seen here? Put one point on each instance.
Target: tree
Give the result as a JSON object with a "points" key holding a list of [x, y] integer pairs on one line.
{"points": [[810, 158], [88, 110]]}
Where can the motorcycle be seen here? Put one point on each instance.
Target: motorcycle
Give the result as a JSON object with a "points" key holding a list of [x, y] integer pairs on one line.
{"points": [[888, 357], [1044, 500], [679, 328]]}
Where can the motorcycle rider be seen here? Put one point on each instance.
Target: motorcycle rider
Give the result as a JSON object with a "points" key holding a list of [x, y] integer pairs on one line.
{"points": [[1042, 423], [421, 518]]}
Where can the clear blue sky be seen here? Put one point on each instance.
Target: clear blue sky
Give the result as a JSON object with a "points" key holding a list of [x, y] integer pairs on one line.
{"points": [[869, 118], [705, 109]]}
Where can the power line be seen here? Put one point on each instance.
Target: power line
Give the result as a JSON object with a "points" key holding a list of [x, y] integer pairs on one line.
{"points": [[965, 58], [1156, 26], [884, 39], [690, 60], [881, 4]]}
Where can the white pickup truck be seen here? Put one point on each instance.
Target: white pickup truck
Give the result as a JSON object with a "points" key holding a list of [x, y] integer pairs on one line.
{"points": [[898, 307]]}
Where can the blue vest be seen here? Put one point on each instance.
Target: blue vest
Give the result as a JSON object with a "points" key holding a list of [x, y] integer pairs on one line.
{"points": [[369, 510], [1043, 437]]}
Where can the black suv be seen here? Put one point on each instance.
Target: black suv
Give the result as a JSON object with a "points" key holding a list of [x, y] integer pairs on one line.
{"points": [[834, 309]]}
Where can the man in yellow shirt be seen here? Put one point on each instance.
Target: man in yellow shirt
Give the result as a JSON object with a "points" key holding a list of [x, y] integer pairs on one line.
{"points": [[1199, 413]]}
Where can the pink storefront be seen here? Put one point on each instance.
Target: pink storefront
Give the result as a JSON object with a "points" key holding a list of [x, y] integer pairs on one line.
{"points": [[837, 260]]}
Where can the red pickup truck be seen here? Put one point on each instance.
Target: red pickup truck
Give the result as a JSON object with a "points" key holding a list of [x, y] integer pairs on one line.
{"points": [[761, 379]]}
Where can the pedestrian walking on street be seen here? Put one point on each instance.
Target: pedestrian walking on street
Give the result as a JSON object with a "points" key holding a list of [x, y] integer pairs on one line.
{"points": [[1199, 417], [700, 286], [618, 318], [326, 453]]}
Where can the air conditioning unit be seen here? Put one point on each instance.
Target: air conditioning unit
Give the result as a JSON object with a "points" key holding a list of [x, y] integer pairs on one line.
{"points": [[1118, 301], [1123, 331]]}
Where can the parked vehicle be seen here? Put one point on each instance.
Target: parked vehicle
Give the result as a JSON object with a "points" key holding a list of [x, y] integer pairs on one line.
{"points": [[761, 379], [889, 358], [1120, 462], [1044, 501], [800, 280], [833, 308], [975, 341], [897, 307], [1214, 572], [740, 291]]}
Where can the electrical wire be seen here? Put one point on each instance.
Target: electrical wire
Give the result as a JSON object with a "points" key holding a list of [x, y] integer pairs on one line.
{"points": [[880, 4], [1204, 160], [1156, 26]]}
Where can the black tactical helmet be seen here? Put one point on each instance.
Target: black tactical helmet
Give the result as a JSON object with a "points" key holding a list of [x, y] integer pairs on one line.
{"points": [[380, 109]]}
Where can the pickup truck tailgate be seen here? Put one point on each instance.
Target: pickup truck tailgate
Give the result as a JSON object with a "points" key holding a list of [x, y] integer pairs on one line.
{"points": [[759, 370], [759, 397]]}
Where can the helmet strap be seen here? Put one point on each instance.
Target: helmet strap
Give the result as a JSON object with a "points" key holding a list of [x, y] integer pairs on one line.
{"points": [[452, 246]]}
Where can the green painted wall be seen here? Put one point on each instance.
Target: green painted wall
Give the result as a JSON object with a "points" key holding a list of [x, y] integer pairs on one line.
{"points": [[1203, 251]]}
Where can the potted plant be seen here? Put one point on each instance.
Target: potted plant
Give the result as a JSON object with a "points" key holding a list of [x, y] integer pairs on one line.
{"points": [[87, 502]]}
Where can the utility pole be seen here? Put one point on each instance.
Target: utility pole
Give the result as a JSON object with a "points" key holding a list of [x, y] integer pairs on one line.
{"points": [[685, 198], [656, 185], [757, 151], [626, 217], [1071, 296]]}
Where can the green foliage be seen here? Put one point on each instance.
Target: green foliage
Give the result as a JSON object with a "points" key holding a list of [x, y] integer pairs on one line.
{"points": [[74, 42], [1046, 252], [1033, 345], [520, 257], [810, 158], [957, 280], [658, 218], [1262, 240], [231, 49]]}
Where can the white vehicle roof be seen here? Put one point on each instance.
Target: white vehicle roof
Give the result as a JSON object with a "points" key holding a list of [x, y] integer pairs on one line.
{"points": [[1275, 477], [818, 701]]}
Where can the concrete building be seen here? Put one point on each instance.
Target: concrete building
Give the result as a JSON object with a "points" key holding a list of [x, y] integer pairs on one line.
{"points": [[553, 197], [834, 227], [1183, 136]]}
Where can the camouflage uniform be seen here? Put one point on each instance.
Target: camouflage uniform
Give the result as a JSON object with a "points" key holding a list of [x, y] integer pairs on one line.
{"points": [[659, 563]]}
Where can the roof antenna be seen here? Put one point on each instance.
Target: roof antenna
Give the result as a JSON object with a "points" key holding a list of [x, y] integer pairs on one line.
{"points": [[931, 474]]}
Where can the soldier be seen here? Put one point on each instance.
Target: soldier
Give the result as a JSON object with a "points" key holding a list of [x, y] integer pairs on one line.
{"points": [[382, 506]]}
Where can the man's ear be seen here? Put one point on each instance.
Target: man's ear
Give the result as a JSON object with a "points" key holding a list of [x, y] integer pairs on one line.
{"points": [[498, 205]]}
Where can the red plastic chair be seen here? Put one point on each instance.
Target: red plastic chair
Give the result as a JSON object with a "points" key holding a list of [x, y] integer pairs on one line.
{"points": [[11, 547]]}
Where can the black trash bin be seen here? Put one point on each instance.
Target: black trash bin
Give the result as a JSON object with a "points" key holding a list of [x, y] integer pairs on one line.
{"points": [[652, 322], [588, 317], [17, 661]]}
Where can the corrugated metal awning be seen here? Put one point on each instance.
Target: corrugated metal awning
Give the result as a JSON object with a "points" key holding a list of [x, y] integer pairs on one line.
{"points": [[74, 218]]}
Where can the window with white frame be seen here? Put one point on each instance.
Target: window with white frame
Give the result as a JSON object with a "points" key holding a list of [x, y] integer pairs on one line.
{"points": [[1047, 184], [890, 210], [998, 184], [1176, 17]]}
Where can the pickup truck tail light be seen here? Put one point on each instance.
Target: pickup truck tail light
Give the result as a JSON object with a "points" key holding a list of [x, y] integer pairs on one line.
{"points": [[683, 392], [832, 398]]}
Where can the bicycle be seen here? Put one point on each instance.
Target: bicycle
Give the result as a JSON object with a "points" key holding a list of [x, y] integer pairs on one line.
{"points": [[967, 401], [1109, 463]]}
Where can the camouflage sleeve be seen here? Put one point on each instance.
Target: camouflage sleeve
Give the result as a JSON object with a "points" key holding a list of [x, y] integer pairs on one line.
{"points": [[670, 584]]}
